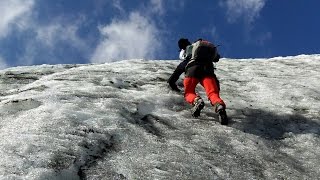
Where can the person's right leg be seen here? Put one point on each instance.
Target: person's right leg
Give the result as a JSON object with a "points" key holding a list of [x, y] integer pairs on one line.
{"points": [[212, 90]]}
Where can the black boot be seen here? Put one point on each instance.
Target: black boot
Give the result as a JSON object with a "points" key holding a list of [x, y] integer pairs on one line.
{"points": [[198, 105], [221, 110]]}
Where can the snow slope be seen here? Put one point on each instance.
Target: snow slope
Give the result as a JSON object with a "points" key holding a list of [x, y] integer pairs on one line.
{"points": [[120, 121]]}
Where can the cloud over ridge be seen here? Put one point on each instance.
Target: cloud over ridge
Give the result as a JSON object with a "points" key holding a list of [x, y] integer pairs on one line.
{"points": [[135, 37], [249, 10], [12, 10], [3, 64]]}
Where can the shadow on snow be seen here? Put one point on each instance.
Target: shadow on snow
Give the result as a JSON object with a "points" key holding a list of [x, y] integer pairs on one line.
{"points": [[269, 125]]}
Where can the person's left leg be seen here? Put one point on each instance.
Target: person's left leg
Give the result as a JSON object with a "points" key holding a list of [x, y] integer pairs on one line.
{"points": [[190, 84], [191, 97]]}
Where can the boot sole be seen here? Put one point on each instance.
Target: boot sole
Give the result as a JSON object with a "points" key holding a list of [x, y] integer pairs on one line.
{"points": [[198, 109]]}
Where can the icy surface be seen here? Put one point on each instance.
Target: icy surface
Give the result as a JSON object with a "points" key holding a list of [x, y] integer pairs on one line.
{"points": [[120, 121]]}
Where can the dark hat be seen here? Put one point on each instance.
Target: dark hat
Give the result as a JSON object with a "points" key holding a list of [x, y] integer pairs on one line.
{"points": [[183, 43]]}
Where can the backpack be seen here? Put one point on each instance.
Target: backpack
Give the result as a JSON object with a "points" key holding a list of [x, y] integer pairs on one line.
{"points": [[203, 51]]}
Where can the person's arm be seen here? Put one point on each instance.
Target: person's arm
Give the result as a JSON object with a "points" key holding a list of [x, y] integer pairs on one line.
{"points": [[182, 55], [178, 71], [188, 52]]}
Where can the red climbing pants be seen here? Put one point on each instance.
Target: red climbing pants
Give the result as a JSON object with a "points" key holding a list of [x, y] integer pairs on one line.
{"points": [[210, 86]]}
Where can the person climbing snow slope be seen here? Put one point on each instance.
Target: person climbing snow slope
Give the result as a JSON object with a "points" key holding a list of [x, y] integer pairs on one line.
{"points": [[200, 69]]}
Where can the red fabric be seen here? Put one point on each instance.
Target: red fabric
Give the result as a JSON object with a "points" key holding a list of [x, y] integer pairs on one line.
{"points": [[190, 84], [210, 86]]}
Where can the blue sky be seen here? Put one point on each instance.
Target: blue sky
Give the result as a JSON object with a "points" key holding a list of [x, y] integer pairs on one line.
{"points": [[96, 31]]}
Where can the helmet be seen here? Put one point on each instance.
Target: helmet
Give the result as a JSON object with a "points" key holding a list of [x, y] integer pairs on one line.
{"points": [[183, 43]]}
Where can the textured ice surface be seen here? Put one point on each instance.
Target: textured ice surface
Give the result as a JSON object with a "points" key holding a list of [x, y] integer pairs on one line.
{"points": [[120, 121]]}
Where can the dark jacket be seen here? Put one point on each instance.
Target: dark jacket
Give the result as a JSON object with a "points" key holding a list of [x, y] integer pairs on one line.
{"points": [[199, 70]]}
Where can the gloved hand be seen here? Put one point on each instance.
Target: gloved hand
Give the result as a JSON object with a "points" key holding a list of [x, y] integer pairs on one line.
{"points": [[174, 87], [216, 59]]}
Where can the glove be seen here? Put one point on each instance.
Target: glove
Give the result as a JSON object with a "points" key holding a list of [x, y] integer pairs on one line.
{"points": [[216, 59], [174, 87]]}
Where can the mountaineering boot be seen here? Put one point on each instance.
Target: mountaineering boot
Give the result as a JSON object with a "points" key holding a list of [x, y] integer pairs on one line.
{"points": [[198, 105], [223, 118]]}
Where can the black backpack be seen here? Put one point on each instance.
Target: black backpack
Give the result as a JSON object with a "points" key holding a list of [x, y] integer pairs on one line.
{"points": [[204, 51]]}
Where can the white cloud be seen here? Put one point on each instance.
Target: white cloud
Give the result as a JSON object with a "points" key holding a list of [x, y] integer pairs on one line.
{"points": [[17, 15], [3, 63], [54, 33], [117, 5], [264, 37], [213, 32], [12, 12], [160, 7], [157, 6], [48, 39], [249, 10], [136, 37]]}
